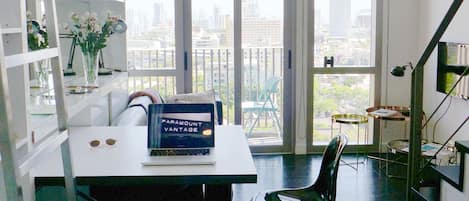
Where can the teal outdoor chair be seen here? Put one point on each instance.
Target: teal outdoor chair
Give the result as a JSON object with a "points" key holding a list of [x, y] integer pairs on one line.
{"points": [[263, 105]]}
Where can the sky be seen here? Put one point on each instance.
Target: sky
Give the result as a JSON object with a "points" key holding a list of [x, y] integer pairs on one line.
{"points": [[267, 8]]}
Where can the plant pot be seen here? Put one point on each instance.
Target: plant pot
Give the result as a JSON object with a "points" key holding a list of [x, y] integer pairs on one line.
{"points": [[90, 68]]}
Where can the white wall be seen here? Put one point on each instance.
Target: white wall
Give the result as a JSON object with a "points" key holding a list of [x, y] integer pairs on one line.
{"points": [[400, 33], [432, 12], [115, 54]]}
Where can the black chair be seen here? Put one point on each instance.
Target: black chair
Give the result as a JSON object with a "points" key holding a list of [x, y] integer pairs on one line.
{"points": [[324, 189]]}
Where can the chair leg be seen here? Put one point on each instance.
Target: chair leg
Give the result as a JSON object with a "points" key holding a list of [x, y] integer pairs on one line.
{"points": [[249, 124], [277, 123], [276, 119], [254, 123]]}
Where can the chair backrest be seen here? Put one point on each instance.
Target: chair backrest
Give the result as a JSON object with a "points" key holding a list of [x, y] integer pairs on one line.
{"points": [[271, 86], [326, 182]]}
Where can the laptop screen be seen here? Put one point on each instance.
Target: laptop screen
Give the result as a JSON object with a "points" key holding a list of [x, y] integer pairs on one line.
{"points": [[181, 126]]}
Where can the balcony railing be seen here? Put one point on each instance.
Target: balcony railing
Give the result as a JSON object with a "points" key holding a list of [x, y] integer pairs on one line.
{"points": [[213, 68]]}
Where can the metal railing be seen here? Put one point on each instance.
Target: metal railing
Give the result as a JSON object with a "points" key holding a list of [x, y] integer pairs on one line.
{"points": [[212, 68]]}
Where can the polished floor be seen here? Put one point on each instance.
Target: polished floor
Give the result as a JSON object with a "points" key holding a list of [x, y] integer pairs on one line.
{"points": [[369, 183]]}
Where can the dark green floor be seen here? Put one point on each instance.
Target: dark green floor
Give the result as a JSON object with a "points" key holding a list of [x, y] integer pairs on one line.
{"points": [[369, 183]]}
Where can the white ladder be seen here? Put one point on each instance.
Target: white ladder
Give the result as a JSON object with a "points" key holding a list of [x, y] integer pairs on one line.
{"points": [[13, 165]]}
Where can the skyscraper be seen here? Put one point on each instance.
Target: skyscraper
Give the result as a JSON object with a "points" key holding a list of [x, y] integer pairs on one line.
{"points": [[157, 13], [250, 8], [340, 18], [217, 19]]}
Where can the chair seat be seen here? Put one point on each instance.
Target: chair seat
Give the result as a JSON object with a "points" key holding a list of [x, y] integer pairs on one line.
{"points": [[324, 188], [288, 195], [249, 106]]}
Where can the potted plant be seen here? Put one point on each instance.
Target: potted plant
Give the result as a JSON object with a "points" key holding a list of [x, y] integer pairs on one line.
{"points": [[91, 37], [37, 40]]}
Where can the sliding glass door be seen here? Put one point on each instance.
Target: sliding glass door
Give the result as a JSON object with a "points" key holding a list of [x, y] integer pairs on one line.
{"points": [[240, 48], [345, 77], [212, 51], [264, 56], [151, 45]]}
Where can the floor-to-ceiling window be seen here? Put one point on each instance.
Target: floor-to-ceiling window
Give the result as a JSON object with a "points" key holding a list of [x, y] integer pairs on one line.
{"points": [[345, 78], [190, 46], [151, 45], [265, 58], [212, 51]]}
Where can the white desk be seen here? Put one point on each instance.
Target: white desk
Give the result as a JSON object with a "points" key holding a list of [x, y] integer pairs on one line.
{"points": [[121, 164]]}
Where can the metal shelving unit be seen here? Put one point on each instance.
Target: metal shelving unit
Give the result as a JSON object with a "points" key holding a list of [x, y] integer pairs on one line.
{"points": [[18, 149]]}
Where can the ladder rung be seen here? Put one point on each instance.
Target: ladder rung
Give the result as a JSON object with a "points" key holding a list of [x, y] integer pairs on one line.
{"points": [[43, 126], [10, 30], [41, 151], [30, 57]]}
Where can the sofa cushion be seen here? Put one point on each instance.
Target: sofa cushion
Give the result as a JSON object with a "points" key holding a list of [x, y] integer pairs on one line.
{"points": [[203, 97], [135, 114]]}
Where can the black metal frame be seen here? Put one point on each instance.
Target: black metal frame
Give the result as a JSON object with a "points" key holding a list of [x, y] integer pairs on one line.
{"points": [[417, 103]]}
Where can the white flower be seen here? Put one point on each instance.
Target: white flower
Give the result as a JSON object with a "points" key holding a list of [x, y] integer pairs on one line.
{"points": [[40, 39], [29, 14], [96, 28], [66, 27], [74, 16], [108, 13]]}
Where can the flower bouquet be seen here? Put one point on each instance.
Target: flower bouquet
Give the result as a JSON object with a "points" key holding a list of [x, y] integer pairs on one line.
{"points": [[91, 37], [37, 40]]}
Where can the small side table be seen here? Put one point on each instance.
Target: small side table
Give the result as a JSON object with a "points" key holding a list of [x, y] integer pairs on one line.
{"points": [[401, 147], [354, 119], [401, 114]]}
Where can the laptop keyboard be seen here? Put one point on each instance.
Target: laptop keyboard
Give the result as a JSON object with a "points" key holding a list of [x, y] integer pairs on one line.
{"points": [[188, 152]]}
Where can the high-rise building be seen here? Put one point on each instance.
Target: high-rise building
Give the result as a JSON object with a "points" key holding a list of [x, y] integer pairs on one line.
{"points": [[227, 39], [157, 13], [363, 19], [340, 18], [262, 32], [218, 21], [250, 8]]}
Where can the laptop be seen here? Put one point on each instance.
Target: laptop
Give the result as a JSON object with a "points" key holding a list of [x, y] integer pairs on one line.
{"points": [[180, 134]]}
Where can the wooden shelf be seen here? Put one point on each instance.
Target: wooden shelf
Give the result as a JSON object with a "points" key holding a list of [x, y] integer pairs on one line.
{"points": [[30, 57]]}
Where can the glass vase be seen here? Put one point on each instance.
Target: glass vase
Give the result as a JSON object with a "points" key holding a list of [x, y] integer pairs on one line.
{"points": [[90, 68], [42, 73]]}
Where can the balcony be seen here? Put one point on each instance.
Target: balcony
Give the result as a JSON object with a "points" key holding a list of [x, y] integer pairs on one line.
{"points": [[213, 68]]}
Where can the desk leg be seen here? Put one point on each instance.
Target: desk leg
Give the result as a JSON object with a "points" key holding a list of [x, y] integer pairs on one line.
{"points": [[218, 192]]}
